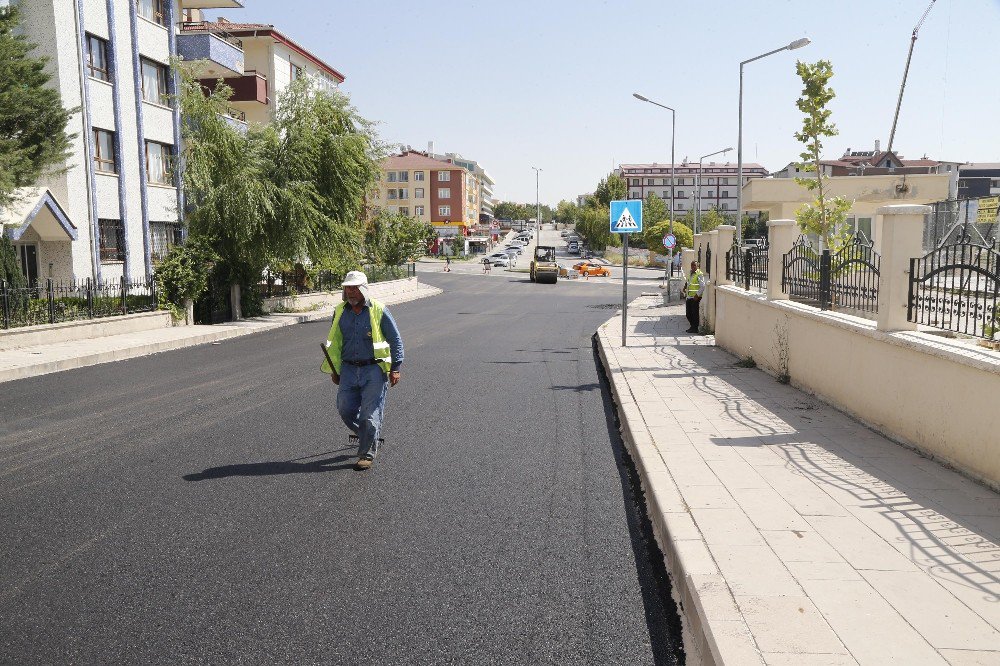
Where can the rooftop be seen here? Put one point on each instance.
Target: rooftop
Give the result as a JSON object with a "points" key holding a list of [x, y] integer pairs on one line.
{"points": [[244, 30]]}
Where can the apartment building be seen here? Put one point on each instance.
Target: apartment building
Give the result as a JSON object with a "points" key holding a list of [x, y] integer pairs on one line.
{"points": [[480, 196], [441, 193], [117, 208], [718, 183], [979, 179], [271, 61]]}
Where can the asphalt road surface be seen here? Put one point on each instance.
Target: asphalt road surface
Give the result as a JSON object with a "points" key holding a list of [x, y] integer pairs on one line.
{"points": [[200, 506]]}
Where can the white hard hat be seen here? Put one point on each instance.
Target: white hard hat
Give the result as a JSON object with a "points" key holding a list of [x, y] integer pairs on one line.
{"points": [[355, 279]]}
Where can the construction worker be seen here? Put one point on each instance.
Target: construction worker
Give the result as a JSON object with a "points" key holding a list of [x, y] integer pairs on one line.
{"points": [[366, 351], [694, 288]]}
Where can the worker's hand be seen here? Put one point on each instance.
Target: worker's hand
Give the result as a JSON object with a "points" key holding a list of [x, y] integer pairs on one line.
{"points": [[335, 377], [394, 377]]}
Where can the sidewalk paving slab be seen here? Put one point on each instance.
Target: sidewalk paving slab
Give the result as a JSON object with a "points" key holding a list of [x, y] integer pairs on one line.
{"points": [[26, 362], [794, 534]]}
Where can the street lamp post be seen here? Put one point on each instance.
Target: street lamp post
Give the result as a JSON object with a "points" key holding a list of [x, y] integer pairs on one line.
{"points": [[797, 44], [538, 212], [673, 179], [697, 200]]}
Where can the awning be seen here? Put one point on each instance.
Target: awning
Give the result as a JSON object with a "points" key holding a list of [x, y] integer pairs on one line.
{"points": [[38, 209]]}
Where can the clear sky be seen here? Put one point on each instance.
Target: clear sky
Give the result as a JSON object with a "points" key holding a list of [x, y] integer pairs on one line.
{"points": [[548, 83]]}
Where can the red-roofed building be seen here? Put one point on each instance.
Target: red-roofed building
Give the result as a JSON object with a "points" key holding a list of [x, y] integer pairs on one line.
{"points": [[271, 62], [718, 183]]}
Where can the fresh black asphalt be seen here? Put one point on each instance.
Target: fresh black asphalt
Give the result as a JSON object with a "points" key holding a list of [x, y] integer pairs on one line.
{"points": [[200, 506]]}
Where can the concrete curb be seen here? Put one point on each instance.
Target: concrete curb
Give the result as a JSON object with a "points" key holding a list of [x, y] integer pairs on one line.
{"points": [[211, 334], [714, 631]]}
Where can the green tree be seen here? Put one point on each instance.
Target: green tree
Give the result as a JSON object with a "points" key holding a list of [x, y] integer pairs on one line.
{"points": [[612, 188], [392, 239], [653, 236], [326, 163], [184, 273], [33, 138], [713, 218], [566, 212], [825, 216]]}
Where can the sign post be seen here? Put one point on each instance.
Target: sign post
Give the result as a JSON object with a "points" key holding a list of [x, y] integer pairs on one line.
{"points": [[626, 218]]}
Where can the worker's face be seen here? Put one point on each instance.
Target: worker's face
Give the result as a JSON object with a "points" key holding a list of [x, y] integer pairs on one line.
{"points": [[694, 266], [354, 296]]}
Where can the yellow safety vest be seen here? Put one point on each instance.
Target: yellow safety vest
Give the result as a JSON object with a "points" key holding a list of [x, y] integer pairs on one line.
{"points": [[694, 283], [335, 341]]}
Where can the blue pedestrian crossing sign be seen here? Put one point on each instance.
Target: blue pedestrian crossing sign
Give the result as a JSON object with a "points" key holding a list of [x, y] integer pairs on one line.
{"points": [[626, 216]]}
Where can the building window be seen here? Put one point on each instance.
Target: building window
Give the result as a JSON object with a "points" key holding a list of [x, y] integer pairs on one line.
{"points": [[679, 205], [635, 182], [163, 236], [104, 151], [112, 240], [392, 193], [725, 206], [418, 175], [295, 72], [444, 211], [680, 193], [404, 210], [393, 209], [391, 177], [634, 195], [418, 210], [444, 193], [159, 163], [711, 181], [444, 176], [404, 193], [154, 82], [418, 192], [666, 194], [97, 58], [404, 176], [153, 10], [649, 181]]}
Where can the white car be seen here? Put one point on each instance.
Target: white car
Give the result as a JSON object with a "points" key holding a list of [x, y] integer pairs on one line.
{"points": [[499, 259]]}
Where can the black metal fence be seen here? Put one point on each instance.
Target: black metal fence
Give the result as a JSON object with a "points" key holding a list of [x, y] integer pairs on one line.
{"points": [[846, 280], [950, 221], [302, 281], [52, 301], [956, 287], [747, 266], [708, 261]]}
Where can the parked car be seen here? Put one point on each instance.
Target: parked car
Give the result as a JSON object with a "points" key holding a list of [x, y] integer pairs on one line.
{"points": [[514, 248], [499, 260], [563, 233], [573, 248], [587, 268]]}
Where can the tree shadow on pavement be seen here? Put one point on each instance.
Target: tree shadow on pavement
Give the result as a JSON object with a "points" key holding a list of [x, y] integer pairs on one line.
{"points": [[272, 468]]}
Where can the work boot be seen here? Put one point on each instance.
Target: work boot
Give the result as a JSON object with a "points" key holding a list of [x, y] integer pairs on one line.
{"points": [[363, 464]]}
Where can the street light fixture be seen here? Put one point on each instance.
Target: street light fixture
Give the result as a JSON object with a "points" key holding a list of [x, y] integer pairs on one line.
{"points": [[797, 44], [697, 205], [673, 180]]}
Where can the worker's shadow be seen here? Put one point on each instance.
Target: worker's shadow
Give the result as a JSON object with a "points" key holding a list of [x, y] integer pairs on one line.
{"points": [[272, 468]]}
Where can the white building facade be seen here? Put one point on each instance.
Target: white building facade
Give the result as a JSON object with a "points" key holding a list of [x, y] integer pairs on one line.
{"points": [[116, 208], [719, 183]]}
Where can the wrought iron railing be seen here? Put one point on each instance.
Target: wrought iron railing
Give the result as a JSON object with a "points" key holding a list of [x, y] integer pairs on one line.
{"points": [[708, 261], [956, 287], [51, 301], [846, 280], [302, 281], [747, 266], [211, 28]]}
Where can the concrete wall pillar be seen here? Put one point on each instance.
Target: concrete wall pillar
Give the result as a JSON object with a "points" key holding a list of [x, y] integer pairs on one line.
{"points": [[781, 237], [711, 240], [902, 239], [687, 256], [724, 242]]}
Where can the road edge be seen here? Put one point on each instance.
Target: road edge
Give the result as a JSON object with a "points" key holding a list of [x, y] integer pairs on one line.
{"points": [[711, 632]]}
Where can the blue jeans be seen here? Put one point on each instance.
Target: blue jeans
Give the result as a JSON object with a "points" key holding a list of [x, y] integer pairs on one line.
{"points": [[361, 403]]}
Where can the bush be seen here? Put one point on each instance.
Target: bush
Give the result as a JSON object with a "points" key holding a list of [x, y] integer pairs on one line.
{"points": [[184, 274]]}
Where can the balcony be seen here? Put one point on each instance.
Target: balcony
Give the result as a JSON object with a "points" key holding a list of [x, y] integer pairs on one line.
{"points": [[215, 52], [252, 87], [236, 119], [211, 4]]}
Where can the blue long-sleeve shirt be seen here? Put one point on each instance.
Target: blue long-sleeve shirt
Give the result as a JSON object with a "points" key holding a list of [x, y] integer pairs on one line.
{"points": [[357, 330]]}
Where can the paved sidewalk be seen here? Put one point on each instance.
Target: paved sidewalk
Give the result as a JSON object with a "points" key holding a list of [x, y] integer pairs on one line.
{"points": [[793, 534], [43, 359]]}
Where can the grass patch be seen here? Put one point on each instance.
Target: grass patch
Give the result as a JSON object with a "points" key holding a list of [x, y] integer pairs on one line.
{"points": [[746, 362]]}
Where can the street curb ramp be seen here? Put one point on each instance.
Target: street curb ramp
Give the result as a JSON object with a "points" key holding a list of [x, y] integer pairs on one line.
{"points": [[713, 630]]}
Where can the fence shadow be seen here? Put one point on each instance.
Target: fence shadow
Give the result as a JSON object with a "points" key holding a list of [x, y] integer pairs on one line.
{"points": [[931, 517]]}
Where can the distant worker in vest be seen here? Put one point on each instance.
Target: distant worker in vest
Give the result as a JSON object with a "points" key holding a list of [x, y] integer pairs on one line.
{"points": [[366, 351], [694, 288]]}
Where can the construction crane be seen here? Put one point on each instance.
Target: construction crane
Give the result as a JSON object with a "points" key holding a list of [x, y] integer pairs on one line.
{"points": [[899, 102]]}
